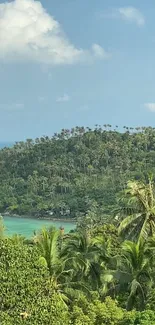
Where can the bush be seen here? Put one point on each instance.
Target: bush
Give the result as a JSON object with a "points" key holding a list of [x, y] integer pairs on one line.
{"points": [[146, 317], [26, 293]]}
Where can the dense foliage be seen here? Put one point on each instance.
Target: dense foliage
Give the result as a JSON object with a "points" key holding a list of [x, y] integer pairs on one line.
{"points": [[104, 271], [68, 174], [77, 279], [99, 274]]}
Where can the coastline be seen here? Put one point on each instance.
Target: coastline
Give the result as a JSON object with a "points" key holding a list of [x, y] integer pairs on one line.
{"points": [[38, 218]]}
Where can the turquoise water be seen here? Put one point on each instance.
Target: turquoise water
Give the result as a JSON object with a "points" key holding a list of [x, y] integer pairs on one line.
{"points": [[26, 227]]}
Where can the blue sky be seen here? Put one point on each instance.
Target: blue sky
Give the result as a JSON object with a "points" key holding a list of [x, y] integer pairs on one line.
{"points": [[72, 62]]}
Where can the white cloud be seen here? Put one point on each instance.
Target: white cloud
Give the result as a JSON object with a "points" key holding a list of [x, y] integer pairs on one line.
{"points": [[150, 106], [132, 14], [28, 32], [64, 98], [99, 52]]}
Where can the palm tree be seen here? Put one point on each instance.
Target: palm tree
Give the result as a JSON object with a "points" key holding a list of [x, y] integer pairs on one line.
{"points": [[49, 245], [140, 206], [134, 273], [83, 254], [47, 241]]}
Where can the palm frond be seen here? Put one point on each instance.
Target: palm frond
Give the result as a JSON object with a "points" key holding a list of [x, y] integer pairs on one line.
{"points": [[128, 222]]}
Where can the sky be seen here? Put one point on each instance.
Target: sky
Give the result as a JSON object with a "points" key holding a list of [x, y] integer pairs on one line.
{"points": [[72, 62]]}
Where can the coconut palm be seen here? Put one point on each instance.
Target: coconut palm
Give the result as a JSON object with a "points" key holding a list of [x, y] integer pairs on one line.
{"points": [[134, 273], [84, 256], [48, 242], [140, 199]]}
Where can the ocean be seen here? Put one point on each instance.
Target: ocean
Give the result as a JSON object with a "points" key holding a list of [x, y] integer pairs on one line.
{"points": [[6, 144]]}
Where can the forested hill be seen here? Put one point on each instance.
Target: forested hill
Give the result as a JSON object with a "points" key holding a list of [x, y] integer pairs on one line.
{"points": [[72, 171]]}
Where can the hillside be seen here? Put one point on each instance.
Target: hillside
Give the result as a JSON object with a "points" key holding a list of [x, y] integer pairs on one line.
{"points": [[64, 176]]}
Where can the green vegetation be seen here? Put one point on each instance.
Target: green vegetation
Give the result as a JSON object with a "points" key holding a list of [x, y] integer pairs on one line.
{"points": [[75, 171], [141, 202], [88, 277], [92, 276], [101, 273]]}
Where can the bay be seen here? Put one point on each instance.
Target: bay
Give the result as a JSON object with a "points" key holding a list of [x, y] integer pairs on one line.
{"points": [[27, 226]]}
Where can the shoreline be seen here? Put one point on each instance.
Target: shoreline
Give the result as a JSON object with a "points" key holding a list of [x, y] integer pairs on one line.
{"points": [[39, 218]]}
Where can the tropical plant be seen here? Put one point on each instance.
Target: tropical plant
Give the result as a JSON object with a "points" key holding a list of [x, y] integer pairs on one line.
{"points": [[27, 296], [60, 270], [47, 241], [83, 255], [134, 274], [141, 203]]}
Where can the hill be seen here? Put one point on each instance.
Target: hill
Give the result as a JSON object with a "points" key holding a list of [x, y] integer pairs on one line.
{"points": [[64, 176]]}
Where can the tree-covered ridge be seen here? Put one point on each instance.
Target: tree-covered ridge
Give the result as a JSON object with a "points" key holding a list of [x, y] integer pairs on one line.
{"points": [[74, 171]]}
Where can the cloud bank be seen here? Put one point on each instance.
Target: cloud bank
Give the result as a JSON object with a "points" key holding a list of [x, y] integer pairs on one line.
{"points": [[29, 33]]}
